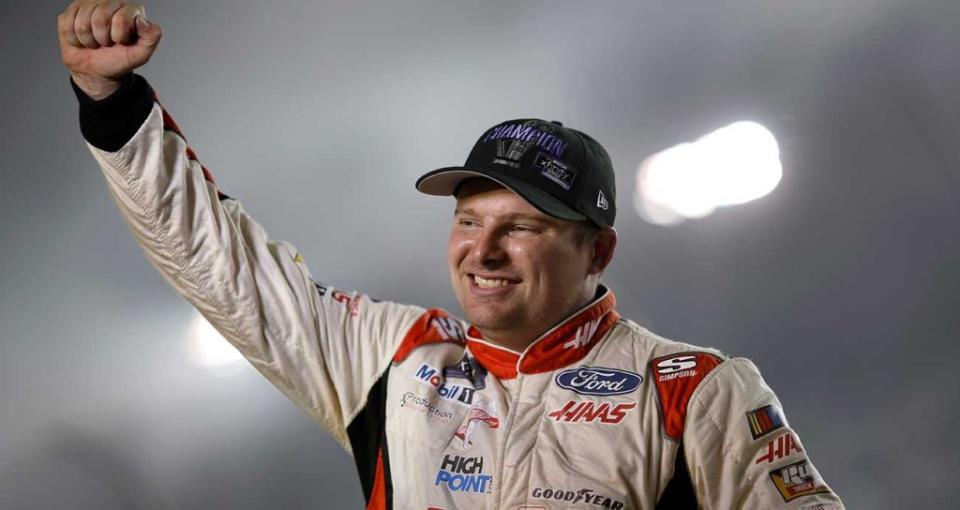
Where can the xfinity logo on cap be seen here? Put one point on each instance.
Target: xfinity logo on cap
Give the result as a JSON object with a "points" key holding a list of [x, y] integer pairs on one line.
{"points": [[598, 381], [555, 170]]}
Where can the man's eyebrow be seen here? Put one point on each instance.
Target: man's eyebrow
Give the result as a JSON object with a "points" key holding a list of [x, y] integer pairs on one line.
{"points": [[510, 217]]}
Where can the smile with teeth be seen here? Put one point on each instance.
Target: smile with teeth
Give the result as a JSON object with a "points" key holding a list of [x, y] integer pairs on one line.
{"points": [[490, 283]]}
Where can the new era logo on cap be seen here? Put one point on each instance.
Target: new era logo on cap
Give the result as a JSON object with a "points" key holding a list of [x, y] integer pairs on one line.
{"points": [[602, 201]]}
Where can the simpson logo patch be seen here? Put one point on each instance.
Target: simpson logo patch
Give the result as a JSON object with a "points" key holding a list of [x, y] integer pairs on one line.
{"points": [[676, 377], [764, 420], [673, 368], [799, 479]]}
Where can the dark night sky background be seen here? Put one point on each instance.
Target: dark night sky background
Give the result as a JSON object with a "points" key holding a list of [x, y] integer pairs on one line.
{"points": [[843, 285]]}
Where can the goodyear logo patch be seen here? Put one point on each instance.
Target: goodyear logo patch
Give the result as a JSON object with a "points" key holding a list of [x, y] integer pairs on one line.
{"points": [[764, 420]]}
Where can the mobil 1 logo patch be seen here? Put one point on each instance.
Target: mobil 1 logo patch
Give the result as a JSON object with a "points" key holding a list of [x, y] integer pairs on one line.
{"points": [[555, 170], [432, 376], [600, 381]]}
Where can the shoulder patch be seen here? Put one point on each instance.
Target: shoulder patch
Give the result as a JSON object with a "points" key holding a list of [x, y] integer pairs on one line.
{"points": [[434, 326], [676, 376]]}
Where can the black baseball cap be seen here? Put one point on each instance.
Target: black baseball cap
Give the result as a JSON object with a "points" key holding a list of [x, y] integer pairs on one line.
{"points": [[561, 171]]}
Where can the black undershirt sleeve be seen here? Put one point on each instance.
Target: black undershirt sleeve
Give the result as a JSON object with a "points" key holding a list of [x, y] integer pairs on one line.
{"points": [[108, 124]]}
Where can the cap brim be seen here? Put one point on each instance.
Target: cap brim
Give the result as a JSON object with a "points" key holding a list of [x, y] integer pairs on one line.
{"points": [[444, 182]]}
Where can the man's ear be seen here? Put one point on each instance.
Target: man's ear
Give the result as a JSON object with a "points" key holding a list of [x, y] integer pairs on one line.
{"points": [[604, 244]]}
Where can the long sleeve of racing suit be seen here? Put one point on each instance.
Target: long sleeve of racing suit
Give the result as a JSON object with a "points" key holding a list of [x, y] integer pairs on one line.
{"points": [[323, 348], [742, 452]]}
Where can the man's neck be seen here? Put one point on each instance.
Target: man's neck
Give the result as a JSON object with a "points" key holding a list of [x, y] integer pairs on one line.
{"points": [[518, 339]]}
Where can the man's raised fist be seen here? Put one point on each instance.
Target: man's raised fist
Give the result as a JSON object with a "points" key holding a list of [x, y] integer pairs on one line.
{"points": [[103, 40]]}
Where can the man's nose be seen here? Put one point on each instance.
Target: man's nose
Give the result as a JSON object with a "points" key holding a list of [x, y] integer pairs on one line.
{"points": [[488, 247]]}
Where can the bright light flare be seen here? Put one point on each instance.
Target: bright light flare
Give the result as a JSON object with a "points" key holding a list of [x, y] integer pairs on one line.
{"points": [[732, 165], [209, 348]]}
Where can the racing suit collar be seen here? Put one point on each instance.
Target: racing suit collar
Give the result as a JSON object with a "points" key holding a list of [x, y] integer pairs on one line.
{"points": [[566, 343]]}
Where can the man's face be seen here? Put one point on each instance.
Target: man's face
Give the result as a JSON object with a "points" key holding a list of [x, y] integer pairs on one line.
{"points": [[516, 271]]}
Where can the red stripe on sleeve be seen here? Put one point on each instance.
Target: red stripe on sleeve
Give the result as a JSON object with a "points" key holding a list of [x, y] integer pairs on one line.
{"points": [[675, 386]]}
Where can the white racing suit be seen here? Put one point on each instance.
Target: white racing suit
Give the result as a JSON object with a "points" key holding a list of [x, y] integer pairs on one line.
{"points": [[597, 413]]}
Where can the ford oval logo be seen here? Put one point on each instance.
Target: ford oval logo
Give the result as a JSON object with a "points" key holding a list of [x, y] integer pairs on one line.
{"points": [[598, 381]]}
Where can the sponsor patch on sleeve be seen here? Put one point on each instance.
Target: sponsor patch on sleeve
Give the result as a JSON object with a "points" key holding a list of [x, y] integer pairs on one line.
{"points": [[434, 326], [798, 479], [765, 420], [780, 447], [676, 377]]}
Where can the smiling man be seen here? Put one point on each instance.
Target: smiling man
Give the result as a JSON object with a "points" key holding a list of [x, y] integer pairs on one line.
{"points": [[511, 264], [544, 398]]}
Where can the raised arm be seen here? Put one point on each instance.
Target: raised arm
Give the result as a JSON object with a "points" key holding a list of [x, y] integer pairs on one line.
{"points": [[324, 348]]}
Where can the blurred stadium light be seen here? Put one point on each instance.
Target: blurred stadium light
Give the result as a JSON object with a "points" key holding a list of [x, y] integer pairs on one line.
{"points": [[209, 348], [732, 165]]}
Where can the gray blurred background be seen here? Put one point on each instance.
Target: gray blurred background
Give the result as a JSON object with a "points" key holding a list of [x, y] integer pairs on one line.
{"points": [[842, 284]]}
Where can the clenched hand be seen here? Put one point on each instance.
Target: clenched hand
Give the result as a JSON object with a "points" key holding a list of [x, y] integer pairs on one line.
{"points": [[103, 40]]}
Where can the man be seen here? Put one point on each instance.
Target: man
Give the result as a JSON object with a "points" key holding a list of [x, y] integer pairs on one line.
{"points": [[547, 398]]}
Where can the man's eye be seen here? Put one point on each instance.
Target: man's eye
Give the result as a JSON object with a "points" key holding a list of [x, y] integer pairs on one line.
{"points": [[523, 229], [466, 222]]}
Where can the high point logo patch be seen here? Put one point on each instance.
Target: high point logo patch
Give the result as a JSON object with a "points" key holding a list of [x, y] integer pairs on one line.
{"points": [[463, 474], [598, 381]]}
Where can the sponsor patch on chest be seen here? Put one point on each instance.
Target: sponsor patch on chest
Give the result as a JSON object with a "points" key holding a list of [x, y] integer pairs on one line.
{"points": [[431, 376], [463, 474], [585, 411], [598, 381], [576, 497]]}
